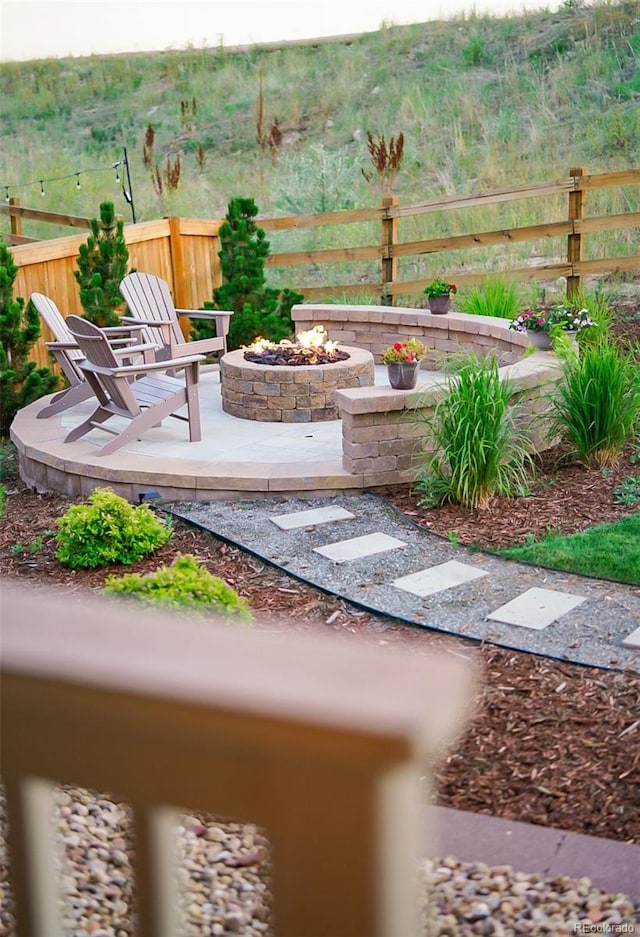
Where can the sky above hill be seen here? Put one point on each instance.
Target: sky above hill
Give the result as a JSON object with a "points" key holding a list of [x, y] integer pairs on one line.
{"points": [[34, 29]]}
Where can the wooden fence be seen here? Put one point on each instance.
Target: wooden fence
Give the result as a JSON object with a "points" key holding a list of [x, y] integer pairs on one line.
{"points": [[184, 251]]}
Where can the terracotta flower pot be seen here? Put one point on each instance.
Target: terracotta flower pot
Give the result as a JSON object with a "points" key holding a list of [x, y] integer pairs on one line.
{"points": [[403, 375], [439, 305]]}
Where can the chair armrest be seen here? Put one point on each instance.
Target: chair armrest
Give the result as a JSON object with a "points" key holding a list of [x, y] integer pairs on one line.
{"points": [[148, 323], [204, 313], [126, 350], [63, 346], [124, 330], [171, 364]]}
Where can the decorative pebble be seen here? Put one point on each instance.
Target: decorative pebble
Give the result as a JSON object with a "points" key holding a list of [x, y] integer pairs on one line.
{"points": [[223, 895]]}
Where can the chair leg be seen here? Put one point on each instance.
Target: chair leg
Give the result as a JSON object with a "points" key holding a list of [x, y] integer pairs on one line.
{"points": [[193, 404], [98, 416], [66, 398]]}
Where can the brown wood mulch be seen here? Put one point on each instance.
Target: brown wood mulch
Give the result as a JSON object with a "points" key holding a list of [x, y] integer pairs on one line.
{"points": [[550, 742]]}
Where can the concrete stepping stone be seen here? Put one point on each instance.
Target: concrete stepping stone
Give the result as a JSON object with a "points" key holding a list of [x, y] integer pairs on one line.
{"points": [[358, 547], [437, 578], [536, 608], [311, 518], [633, 639]]}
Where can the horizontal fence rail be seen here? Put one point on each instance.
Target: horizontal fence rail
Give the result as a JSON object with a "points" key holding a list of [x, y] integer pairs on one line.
{"points": [[327, 743], [184, 250]]}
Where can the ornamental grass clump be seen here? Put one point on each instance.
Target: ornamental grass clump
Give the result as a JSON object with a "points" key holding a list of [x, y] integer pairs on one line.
{"points": [[497, 296], [481, 449], [186, 585], [107, 529], [596, 407]]}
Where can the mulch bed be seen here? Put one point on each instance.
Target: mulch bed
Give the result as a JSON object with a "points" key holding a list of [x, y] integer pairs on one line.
{"points": [[551, 742]]}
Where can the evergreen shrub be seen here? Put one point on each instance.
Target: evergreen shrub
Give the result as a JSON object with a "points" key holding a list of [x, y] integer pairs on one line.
{"points": [[107, 529], [258, 310], [102, 265], [21, 380], [186, 584]]}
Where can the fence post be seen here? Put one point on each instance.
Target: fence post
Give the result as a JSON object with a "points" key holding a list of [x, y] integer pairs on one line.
{"points": [[575, 241], [177, 272], [16, 220], [389, 239]]}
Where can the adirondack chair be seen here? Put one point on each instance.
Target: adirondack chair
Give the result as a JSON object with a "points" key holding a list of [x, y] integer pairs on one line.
{"points": [[68, 355], [151, 305], [145, 401]]}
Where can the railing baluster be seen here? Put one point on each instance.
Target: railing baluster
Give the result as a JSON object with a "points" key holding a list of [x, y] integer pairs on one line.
{"points": [[157, 905], [34, 860]]}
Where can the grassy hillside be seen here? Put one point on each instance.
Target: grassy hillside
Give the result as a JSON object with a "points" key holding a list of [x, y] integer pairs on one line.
{"points": [[481, 101]]}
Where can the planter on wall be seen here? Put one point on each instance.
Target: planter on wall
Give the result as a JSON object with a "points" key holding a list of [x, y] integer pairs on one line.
{"points": [[439, 305], [539, 340], [403, 375]]}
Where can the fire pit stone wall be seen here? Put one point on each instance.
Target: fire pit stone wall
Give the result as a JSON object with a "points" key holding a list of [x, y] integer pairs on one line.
{"points": [[281, 394]]}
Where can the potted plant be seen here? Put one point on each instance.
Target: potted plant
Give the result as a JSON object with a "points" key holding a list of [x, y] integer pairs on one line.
{"points": [[403, 360], [438, 294], [539, 324]]}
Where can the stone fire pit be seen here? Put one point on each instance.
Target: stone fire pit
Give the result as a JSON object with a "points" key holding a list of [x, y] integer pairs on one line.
{"points": [[290, 393]]}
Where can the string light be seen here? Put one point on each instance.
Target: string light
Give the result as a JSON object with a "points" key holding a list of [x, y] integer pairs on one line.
{"points": [[72, 175], [76, 174]]}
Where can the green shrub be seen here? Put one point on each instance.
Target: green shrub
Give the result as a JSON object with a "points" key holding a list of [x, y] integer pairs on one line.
{"points": [[596, 406], [102, 265], [186, 584], [21, 380], [258, 309], [480, 450], [8, 466], [107, 529], [495, 297]]}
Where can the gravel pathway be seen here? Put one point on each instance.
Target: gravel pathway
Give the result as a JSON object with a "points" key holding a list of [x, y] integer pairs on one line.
{"points": [[224, 881], [591, 633]]}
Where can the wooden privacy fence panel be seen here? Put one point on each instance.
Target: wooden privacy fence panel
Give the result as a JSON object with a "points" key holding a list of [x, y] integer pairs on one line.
{"points": [[185, 251], [326, 743], [181, 251]]}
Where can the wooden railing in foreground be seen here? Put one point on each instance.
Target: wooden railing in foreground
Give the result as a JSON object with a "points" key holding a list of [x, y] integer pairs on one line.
{"points": [[321, 741]]}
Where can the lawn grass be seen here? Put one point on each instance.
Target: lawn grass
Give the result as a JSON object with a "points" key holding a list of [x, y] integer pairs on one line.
{"points": [[606, 551]]}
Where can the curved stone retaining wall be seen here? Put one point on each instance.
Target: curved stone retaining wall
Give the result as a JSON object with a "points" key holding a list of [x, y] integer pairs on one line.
{"points": [[376, 327], [385, 434]]}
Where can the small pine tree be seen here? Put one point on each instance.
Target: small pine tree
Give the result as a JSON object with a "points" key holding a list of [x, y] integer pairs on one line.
{"points": [[102, 264], [258, 309], [21, 380]]}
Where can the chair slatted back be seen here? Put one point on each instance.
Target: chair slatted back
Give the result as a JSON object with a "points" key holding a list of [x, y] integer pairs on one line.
{"points": [[56, 323], [97, 351], [149, 299]]}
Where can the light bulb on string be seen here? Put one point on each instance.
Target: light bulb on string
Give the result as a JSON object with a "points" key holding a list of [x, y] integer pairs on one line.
{"points": [[78, 186], [6, 197], [115, 166], [42, 192]]}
